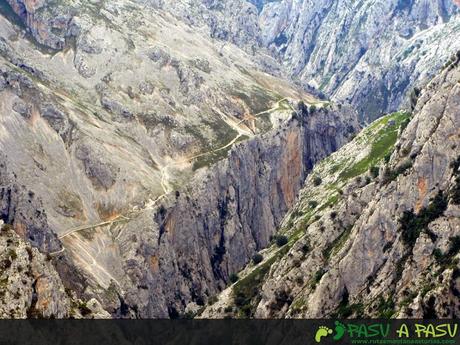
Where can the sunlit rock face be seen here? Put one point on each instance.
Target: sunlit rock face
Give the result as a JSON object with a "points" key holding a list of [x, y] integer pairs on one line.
{"points": [[150, 148], [370, 54], [109, 127], [394, 239]]}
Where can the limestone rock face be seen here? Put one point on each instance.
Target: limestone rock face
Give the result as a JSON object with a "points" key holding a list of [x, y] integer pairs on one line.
{"points": [[47, 21], [30, 286], [133, 154], [233, 20], [391, 247], [150, 148], [366, 53], [370, 54]]}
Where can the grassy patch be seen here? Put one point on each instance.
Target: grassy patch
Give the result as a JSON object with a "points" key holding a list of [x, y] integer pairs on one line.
{"points": [[385, 308], [317, 278], [214, 157], [257, 99], [381, 147], [345, 309], [335, 246], [246, 291]]}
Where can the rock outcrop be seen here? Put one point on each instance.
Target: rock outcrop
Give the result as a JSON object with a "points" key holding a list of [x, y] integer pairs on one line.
{"points": [[99, 153], [30, 286], [370, 54], [217, 225], [48, 22], [387, 245]]}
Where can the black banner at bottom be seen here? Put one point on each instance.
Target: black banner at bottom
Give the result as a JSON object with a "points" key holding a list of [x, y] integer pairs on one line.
{"points": [[222, 332]]}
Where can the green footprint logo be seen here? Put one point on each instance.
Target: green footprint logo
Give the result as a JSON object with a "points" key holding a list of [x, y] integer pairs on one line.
{"points": [[322, 331], [339, 331]]}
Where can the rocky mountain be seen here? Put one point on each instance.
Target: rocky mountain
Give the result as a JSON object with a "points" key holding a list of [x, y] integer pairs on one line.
{"points": [[133, 146], [150, 149], [376, 230], [370, 54], [32, 288]]}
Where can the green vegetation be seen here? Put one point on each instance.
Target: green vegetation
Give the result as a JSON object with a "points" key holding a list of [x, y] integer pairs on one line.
{"points": [[317, 181], [374, 171], [299, 305], [413, 224], [257, 258], [83, 307], [455, 191], [305, 248], [345, 309], [317, 278], [281, 240], [381, 147], [385, 308], [213, 157], [313, 204], [391, 175], [246, 291], [335, 246], [257, 99], [233, 278]]}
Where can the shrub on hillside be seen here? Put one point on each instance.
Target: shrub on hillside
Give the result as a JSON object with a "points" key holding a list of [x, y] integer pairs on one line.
{"points": [[313, 204], [317, 181], [257, 258], [233, 278], [374, 171], [281, 240]]}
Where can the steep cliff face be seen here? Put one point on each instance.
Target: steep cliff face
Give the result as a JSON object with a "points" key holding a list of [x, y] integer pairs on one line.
{"points": [[99, 136], [370, 54], [48, 22], [172, 259], [239, 206], [367, 53], [387, 242]]}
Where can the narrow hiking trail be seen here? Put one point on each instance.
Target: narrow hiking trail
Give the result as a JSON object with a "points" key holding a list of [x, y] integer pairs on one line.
{"points": [[167, 189]]}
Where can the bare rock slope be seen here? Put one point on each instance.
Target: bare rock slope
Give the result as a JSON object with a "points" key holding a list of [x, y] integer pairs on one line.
{"points": [[370, 54], [142, 155], [379, 235]]}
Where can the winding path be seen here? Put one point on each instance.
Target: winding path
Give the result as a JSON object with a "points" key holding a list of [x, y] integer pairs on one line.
{"points": [[164, 184]]}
